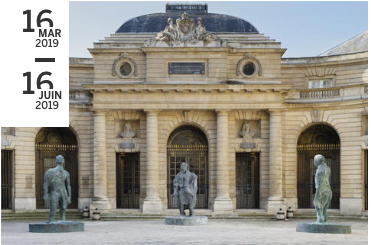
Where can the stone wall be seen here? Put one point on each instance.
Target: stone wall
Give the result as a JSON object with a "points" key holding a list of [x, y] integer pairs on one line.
{"points": [[347, 123]]}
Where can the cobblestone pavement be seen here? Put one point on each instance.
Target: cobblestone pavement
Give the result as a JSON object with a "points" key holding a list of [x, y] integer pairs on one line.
{"points": [[155, 232]]}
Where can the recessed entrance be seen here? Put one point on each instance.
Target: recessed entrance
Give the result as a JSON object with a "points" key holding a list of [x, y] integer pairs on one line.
{"points": [[6, 179], [365, 179], [188, 144], [247, 180], [51, 142], [127, 180], [317, 139]]}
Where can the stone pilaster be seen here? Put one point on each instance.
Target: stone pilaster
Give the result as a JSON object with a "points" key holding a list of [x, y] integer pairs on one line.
{"points": [[223, 203], [152, 202], [100, 199], [275, 199]]}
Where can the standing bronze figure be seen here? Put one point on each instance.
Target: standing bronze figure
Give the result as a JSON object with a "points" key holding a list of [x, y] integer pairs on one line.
{"points": [[322, 198], [58, 180], [185, 187]]}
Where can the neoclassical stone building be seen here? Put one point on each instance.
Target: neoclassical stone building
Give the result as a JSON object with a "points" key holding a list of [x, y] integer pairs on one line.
{"points": [[211, 90]]}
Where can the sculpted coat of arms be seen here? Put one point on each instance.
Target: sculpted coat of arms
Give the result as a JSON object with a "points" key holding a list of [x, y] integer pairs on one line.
{"points": [[185, 31]]}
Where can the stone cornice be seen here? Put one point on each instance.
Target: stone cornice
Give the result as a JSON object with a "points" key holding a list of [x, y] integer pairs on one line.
{"points": [[185, 49], [204, 88], [324, 60]]}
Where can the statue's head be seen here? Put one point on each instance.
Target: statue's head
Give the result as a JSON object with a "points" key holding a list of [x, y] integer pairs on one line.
{"points": [[183, 167], [319, 159], [170, 20], [59, 159], [199, 20]]}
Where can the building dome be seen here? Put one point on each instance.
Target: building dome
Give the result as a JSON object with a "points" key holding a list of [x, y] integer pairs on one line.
{"points": [[153, 23]]}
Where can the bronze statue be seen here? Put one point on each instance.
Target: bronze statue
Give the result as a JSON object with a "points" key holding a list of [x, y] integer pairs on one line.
{"points": [[185, 187], [322, 198], [58, 180]]}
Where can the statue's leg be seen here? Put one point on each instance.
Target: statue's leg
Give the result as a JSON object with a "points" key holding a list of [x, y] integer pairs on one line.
{"points": [[190, 211], [182, 209], [325, 211], [63, 207], [53, 207], [319, 215]]}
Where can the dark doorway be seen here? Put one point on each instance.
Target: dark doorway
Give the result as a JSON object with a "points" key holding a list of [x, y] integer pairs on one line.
{"points": [[127, 180], [365, 178], [6, 179], [188, 144], [247, 180], [51, 142], [317, 139]]}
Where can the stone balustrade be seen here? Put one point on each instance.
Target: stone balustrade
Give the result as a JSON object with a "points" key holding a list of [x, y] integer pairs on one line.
{"points": [[350, 92], [78, 96]]}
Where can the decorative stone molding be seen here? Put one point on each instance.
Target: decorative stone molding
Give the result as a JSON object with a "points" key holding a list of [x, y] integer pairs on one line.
{"points": [[124, 59], [186, 31], [316, 115], [364, 144], [319, 71], [126, 115], [186, 116], [7, 131], [248, 58]]}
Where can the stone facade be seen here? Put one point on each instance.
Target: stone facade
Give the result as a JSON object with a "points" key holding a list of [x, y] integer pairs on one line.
{"points": [[274, 100]]}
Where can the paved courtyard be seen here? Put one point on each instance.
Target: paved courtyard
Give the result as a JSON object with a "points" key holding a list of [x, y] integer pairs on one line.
{"points": [[155, 232]]}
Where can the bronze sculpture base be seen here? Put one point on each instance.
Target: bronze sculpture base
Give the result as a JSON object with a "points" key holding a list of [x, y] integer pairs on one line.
{"points": [[56, 227], [331, 228], [186, 220]]}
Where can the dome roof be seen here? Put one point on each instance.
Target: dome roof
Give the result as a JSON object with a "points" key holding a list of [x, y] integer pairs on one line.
{"points": [[213, 23]]}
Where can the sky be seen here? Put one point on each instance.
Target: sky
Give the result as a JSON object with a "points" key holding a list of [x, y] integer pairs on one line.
{"points": [[304, 28]]}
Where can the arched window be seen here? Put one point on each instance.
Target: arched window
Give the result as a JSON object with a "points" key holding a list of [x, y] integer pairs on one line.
{"points": [[49, 143], [188, 144], [324, 140]]}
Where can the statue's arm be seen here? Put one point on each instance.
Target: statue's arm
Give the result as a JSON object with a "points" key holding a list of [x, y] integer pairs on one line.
{"points": [[175, 187], [68, 185], [194, 184], [45, 187]]}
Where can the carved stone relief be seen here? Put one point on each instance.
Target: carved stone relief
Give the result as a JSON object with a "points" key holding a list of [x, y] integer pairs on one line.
{"points": [[128, 131], [249, 130], [185, 31]]}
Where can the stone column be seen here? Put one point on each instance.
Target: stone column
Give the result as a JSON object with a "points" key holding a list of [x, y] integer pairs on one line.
{"points": [[223, 203], [152, 202], [275, 199], [100, 199]]}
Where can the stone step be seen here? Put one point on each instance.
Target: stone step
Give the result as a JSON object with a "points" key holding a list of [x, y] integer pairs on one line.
{"points": [[38, 215], [76, 215]]}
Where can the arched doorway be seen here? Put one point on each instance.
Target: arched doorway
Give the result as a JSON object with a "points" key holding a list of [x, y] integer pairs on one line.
{"points": [[49, 143], [317, 139], [188, 144]]}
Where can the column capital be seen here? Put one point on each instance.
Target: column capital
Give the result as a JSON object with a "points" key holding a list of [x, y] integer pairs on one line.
{"points": [[99, 112], [222, 112], [152, 112], [275, 111]]}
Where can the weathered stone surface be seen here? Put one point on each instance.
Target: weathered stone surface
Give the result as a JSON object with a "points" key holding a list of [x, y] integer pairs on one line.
{"points": [[247, 145], [57, 227], [324, 228], [127, 145], [186, 220]]}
